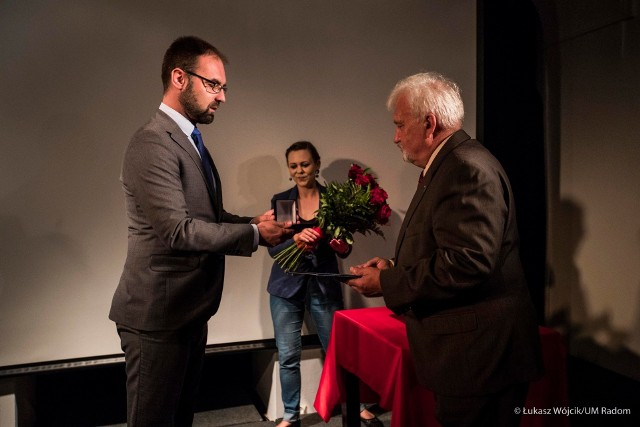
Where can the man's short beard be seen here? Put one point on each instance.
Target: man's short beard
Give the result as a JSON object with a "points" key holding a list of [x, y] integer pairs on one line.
{"points": [[188, 101], [405, 156]]}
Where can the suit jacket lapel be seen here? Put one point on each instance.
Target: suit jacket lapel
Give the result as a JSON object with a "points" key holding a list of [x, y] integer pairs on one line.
{"points": [[176, 134], [456, 139], [218, 192]]}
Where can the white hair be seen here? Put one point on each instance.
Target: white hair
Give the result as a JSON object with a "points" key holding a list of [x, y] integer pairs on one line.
{"points": [[431, 92]]}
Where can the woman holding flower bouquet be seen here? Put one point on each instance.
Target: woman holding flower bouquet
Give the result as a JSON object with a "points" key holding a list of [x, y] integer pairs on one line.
{"points": [[291, 295]]}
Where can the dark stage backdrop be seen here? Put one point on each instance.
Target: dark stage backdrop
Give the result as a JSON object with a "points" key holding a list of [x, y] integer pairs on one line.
{"points": [[78, 77]]}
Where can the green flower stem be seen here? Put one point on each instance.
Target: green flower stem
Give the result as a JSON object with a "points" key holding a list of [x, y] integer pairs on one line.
{"points": [[289, 258]]}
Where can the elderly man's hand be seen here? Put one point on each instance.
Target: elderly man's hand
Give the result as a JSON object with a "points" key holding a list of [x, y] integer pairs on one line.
{"points": [[369, 284]]}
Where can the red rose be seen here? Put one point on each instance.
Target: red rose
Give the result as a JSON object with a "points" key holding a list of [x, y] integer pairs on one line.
{"points": [[383, 214], [362, 180], [378, 196], [355, 171], [360, 176], [372, 181]]}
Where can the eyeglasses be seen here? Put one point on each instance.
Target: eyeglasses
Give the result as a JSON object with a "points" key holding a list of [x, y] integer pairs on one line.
{"points": [[211, 86]]}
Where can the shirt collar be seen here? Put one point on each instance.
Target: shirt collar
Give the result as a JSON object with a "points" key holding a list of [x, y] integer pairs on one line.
{"points": [[435, 153], [183, 123]]}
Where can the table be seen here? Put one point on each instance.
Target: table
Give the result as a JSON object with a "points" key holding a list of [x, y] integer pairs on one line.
{"points": [[368, 359]]}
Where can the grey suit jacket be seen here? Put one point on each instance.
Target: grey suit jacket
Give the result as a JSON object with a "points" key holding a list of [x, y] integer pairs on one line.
{"points": [[458, 277], [178, 233]]}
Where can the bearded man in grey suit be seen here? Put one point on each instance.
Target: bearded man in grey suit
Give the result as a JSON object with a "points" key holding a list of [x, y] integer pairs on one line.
{"points": [[457, 275], [179, 234]]}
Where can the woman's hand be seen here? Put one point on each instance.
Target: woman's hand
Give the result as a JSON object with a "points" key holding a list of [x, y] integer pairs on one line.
{"points": [[308, 238], [340, 246]]}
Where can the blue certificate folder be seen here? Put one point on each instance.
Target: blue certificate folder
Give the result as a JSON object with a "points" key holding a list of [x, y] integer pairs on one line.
{"points": [[337, 276]]}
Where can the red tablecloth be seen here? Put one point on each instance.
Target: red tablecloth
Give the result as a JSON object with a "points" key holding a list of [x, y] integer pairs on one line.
{"points": [[371, 343]]}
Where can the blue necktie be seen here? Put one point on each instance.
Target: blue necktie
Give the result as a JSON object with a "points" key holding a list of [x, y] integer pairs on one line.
{"points": [[204, 156]]}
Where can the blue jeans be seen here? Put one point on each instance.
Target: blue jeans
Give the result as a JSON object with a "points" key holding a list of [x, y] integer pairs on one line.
{"points": [[288, 315]]}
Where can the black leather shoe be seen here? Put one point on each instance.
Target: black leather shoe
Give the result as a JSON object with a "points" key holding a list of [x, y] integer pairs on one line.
{"points": [[372, 422]]}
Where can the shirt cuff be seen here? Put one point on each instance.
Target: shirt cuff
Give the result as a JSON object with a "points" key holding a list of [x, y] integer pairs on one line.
{"points": [[256, 237]]}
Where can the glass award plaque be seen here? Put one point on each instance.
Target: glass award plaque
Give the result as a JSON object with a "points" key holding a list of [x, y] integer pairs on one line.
{"points": [[286, 210]]}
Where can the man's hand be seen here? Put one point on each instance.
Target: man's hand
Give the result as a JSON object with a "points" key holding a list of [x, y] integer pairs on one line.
{"points": [[369, 284], [273, 232], [380, 263], [267, 216]]}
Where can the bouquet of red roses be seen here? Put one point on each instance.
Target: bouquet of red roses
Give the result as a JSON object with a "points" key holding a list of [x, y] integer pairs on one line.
{"points": [[358, 205]]}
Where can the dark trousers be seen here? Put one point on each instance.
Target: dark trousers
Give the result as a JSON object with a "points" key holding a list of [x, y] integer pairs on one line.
{"points": [[163, 374], [492, 410]]}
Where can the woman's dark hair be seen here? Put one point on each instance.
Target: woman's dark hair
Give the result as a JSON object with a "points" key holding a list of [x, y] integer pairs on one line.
{"points": [[303, 145]]}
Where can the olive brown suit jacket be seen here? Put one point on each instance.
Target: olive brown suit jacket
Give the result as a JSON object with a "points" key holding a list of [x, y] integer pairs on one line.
{"points": [[458, 278]]}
